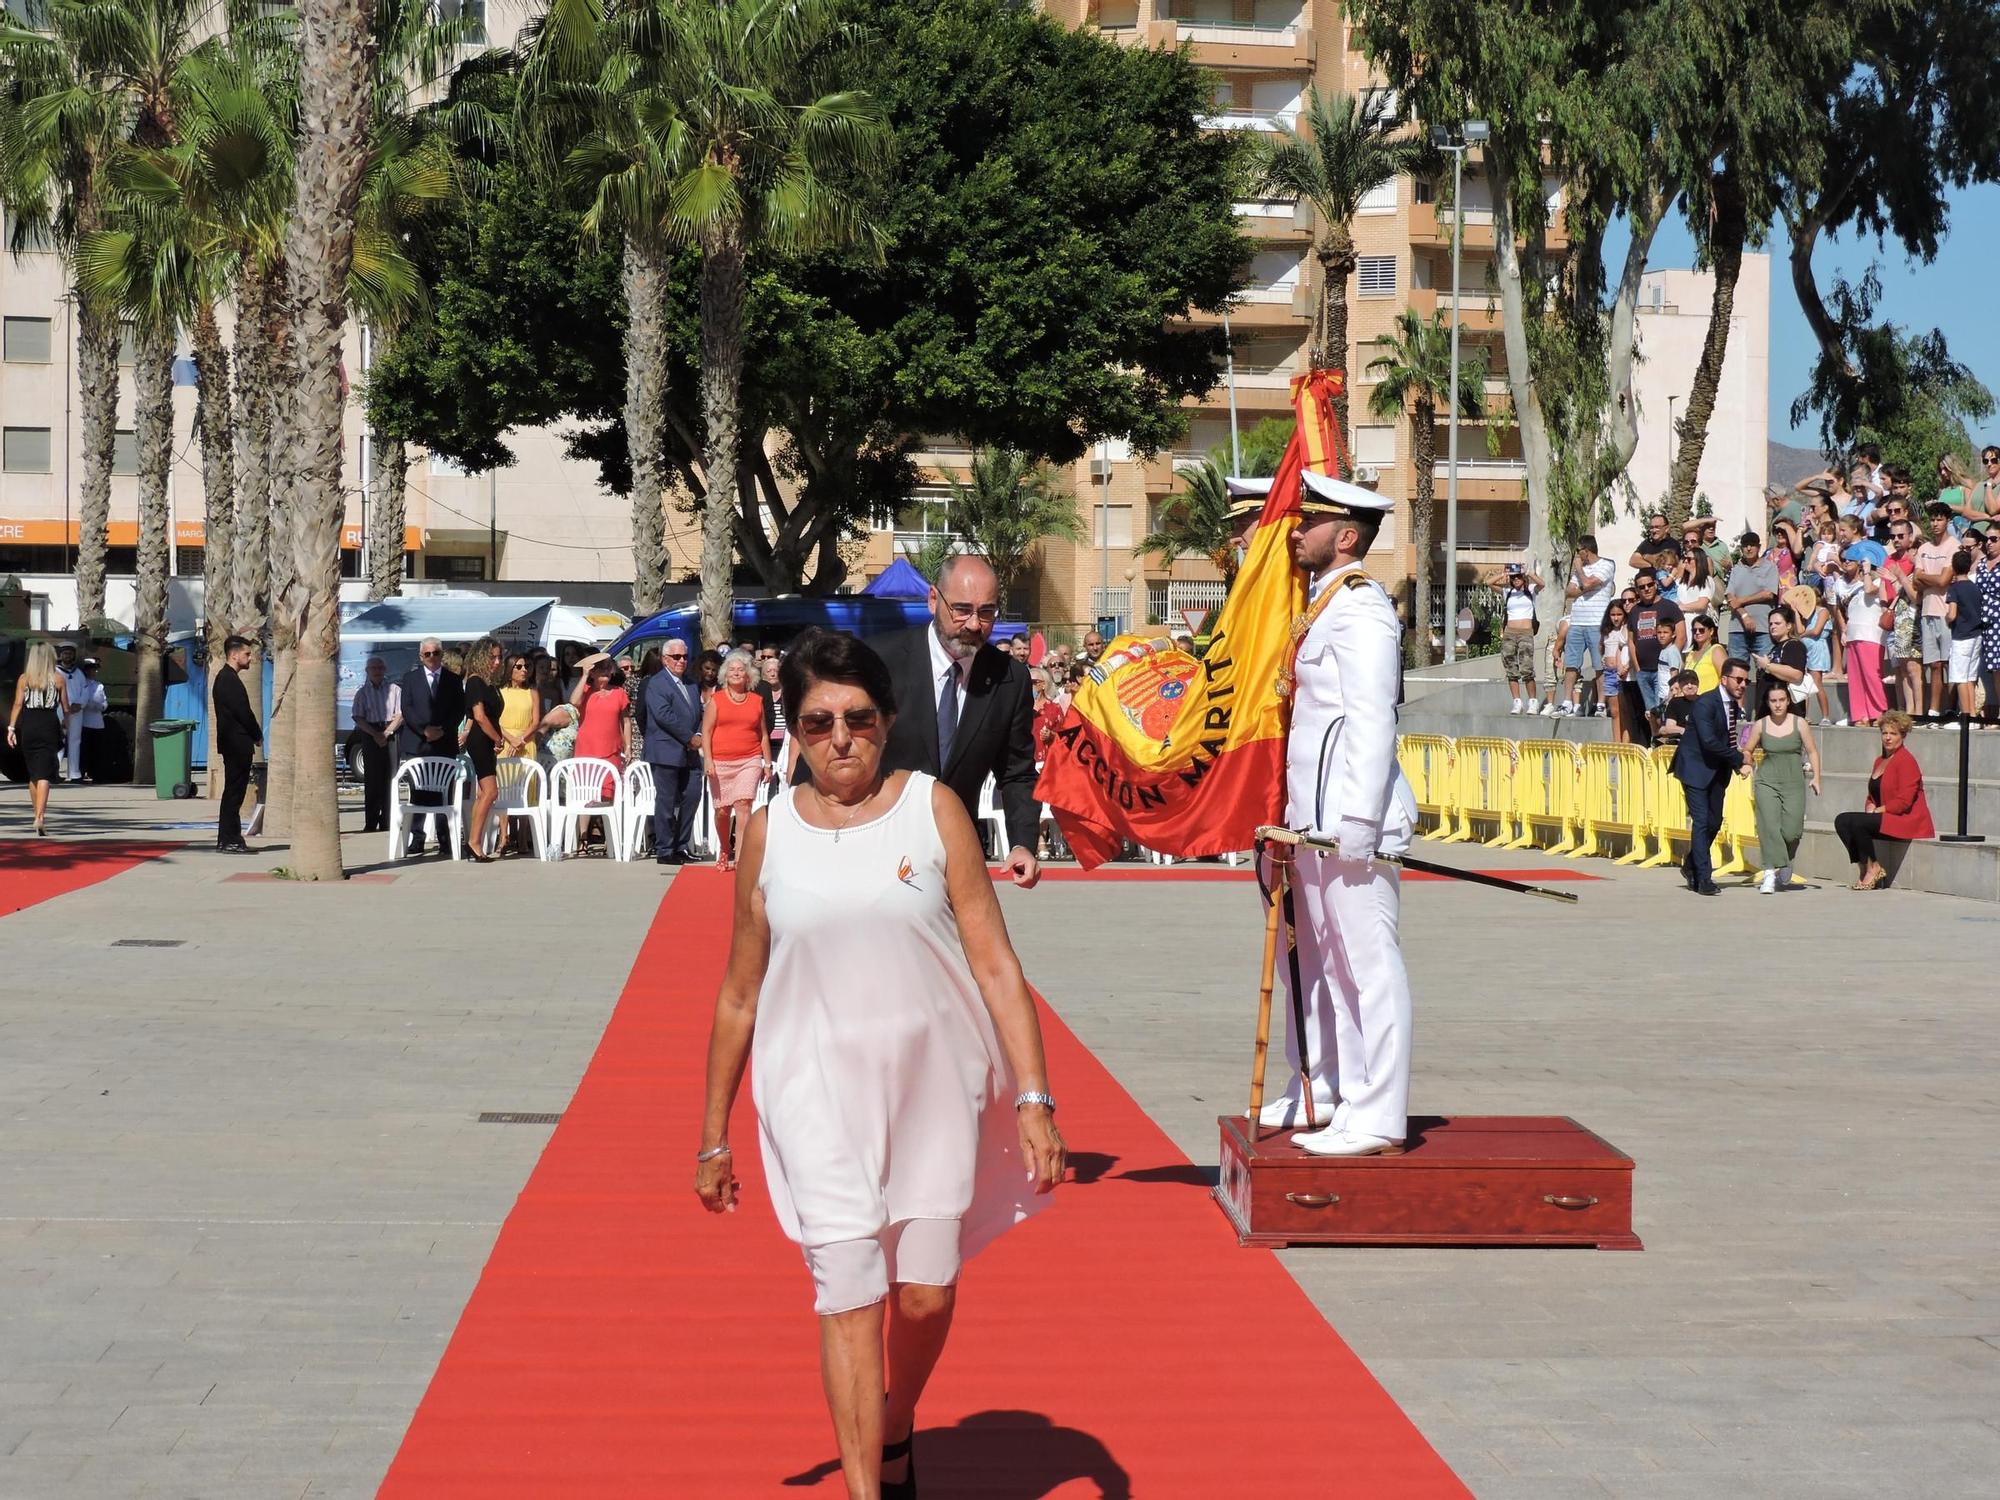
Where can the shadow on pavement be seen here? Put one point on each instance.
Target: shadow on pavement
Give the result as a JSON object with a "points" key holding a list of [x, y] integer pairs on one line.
{"points": [[1003, 1455]]}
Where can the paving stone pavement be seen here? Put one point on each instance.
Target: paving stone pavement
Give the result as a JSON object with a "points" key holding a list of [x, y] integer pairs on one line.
{"points": [[244, 1196]]}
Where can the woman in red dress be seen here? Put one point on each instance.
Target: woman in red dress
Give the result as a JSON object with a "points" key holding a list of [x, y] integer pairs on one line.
{"points": [[739, 755], [605, 707]]}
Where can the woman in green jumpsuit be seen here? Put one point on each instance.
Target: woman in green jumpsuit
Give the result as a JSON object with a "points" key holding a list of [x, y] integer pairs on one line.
{"points": [[1790, 761]]}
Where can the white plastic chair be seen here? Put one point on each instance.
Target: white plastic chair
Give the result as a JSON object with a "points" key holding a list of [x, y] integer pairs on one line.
{"points": [[523, 793], [701, 842], [576, 792], [991, 818], [425, 773], [638, 810]]}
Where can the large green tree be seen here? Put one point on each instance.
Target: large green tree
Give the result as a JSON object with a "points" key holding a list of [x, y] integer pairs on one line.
{"points": [[1055, 212], [1909, 122], [1351, 145], [1571, 94], [774, 144]]}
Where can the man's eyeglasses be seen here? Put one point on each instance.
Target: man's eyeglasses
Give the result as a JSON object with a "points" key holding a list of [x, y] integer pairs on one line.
{"points": [[433, 655], [987, 613], [677, 656], [858, 720]]}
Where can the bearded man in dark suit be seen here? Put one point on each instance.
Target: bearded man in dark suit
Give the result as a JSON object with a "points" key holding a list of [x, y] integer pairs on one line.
{"points": [[965, 709]]}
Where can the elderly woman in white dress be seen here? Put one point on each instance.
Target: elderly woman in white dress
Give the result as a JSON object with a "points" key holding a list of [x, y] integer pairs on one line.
{"points": [[902, 1099]]}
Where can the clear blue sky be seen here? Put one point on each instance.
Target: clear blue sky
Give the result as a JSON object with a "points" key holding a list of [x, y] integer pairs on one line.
{"points": [[1955, 292]]}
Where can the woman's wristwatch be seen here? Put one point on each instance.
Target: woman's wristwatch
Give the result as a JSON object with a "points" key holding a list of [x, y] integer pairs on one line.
{"points": [[1035, 1096]]}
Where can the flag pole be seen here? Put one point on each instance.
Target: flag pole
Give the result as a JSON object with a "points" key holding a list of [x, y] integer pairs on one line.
{"points": [[1270, 972]]}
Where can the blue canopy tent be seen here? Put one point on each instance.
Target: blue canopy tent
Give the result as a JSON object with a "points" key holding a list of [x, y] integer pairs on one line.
{"points": [[898, 581], [778, 620]]}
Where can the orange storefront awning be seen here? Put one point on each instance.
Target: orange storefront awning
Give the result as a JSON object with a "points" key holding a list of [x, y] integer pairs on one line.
{"points": [[126, 534]]}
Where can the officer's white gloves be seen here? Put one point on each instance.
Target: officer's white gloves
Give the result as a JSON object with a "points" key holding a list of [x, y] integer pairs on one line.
{"points": [[1358, 840]]}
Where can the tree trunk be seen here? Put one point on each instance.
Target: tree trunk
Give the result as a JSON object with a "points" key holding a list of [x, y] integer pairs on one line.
{"points": [[153, 419], [218, 484], [644, 273], [97, 390], [1528, 413], [1726, 237], [1423, 511], [721, 384], [337, 59], [1336, 267], [387, 522], [250, 577], [283, 369]]}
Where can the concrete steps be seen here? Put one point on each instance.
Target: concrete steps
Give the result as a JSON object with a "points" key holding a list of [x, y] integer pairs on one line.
{"points": [[1970, 870]]}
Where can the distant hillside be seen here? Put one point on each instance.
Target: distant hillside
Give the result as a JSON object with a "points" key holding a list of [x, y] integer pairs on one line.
{"points": [[1788, 465]]}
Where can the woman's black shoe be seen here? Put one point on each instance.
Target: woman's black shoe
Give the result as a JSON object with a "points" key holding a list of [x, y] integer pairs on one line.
{"points": [[906, 1487]]}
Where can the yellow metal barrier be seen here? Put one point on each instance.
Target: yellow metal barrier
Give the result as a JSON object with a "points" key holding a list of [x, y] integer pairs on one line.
{"points": [[1547, 775], [1426, 762], [1739, 828], [1670, 809], [1617, 790], [1483, 788]]}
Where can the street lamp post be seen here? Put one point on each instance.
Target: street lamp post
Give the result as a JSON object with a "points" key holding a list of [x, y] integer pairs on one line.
{"points": [[1470, 133], [1229, 366]]}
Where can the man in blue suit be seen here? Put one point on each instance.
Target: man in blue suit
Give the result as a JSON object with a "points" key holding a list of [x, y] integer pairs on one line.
{"points": [[672, 728], [1708, 755]]}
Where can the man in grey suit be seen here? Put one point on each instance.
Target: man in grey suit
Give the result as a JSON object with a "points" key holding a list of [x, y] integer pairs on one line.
{"points": [[672, 730]]}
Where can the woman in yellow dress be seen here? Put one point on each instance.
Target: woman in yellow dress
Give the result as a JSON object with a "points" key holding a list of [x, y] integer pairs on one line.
{"points": [[520, 723]]}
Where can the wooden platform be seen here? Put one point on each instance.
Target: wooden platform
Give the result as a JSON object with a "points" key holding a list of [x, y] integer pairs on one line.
{"points": [[1464, 1180]]}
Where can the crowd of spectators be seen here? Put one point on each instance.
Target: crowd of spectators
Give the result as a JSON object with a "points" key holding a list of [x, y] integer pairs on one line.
{"points": [[1850, 581]]}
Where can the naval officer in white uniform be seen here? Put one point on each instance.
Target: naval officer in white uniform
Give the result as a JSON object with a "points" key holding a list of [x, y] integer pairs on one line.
{"points": [[1342, 783]]}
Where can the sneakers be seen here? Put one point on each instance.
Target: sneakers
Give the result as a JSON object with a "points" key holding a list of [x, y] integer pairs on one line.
{"points": [[1516, 708], [1840, 723], [1769, 884], [1826, 722]]}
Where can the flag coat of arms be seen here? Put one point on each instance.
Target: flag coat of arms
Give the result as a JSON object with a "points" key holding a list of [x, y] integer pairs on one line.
{"points": [[1182, 754]]}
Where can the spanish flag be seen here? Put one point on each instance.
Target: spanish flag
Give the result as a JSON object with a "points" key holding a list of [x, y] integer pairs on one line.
{"points": [[1183, 754]]}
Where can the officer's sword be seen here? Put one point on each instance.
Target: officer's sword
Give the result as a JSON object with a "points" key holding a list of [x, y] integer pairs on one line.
{"points": [[1293, 837]]}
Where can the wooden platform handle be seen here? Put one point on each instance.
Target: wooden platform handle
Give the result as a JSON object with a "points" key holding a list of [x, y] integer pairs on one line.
{"points": [[1561, 1202], [1321, 1200]]}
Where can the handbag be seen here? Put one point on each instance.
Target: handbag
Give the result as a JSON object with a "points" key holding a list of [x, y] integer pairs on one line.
{"points": [[1803, 689]]}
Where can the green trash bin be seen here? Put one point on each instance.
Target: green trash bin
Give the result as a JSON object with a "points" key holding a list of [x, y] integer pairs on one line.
{"points": [[172, 740]]}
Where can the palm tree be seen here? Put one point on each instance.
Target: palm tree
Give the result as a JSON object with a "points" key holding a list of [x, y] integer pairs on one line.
{"points": [[1194, 522], [59, 124], [592, 117], [763, 153], [1350, 147], [136, 260], [411, 170], [335, 81], [1413, 373], [1006, 505]]}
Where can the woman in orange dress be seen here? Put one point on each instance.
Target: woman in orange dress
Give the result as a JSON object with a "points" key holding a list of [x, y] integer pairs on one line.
{"points": [[602, 733], [739, 755]]}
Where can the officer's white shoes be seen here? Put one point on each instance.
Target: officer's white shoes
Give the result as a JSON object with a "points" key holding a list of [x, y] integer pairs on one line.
{"points": [[1289, 1111], [1335, 1141]]}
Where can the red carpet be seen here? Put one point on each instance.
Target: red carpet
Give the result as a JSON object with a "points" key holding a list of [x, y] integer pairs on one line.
{"points": [[622, 1342], [35, 870]]}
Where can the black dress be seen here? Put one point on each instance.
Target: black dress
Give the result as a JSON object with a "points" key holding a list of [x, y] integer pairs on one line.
{"points": [[38, 732], [480, 749]]}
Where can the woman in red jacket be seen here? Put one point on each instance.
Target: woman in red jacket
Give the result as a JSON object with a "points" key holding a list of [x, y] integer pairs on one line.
{"points": [[1896, 806]]}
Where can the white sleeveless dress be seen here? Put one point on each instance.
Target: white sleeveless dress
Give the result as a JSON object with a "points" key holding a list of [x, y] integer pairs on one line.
{"points": [[882, 1094]]}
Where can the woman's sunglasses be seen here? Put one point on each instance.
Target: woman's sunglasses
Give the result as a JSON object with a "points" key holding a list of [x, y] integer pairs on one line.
{"points": [[858, 720]]}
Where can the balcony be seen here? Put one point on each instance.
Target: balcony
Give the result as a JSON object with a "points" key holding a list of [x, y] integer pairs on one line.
{"points": [[1233, 118], [1479, 309], [1238, 46], [1430, 224], [1277, 220], [1484, 478]]}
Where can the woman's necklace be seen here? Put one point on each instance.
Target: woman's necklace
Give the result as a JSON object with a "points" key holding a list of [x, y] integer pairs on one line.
{"points": [[852, 813]]}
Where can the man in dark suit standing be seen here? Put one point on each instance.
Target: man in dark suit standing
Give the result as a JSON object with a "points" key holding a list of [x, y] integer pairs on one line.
{"points": [[670, 721], [433, 701], [237, 735], [964, 708], [1708, 755]]}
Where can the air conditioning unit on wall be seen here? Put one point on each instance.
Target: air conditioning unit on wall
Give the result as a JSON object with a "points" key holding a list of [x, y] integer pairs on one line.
{"points": [[1366, 474]]}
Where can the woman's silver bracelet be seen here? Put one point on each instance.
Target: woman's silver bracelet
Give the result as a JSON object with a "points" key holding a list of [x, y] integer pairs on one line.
{"points": [[1035, 1096], [711, 1153]]}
